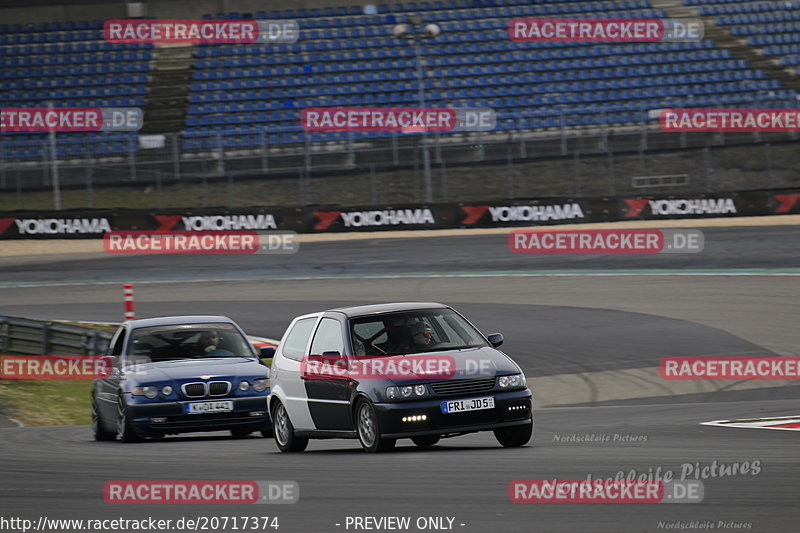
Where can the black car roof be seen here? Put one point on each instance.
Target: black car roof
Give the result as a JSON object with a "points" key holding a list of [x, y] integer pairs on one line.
{"points": [[363, 310]]}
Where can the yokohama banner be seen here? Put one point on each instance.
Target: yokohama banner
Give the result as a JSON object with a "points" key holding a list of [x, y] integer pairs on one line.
{"points": [[93, 224]]}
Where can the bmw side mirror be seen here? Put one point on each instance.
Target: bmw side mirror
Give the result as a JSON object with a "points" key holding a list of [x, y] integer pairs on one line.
{"points": [[495, 339], [267, 352]]}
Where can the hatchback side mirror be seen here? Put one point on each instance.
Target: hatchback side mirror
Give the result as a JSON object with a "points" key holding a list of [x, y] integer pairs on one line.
{"points": [[495, 339]]}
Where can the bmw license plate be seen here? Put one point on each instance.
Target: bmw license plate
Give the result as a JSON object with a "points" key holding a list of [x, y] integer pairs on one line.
{"points": [[470, 404], [208, 407]]}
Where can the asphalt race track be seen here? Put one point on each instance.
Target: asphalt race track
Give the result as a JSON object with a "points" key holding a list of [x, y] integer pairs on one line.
{"points": [[588, 330]]}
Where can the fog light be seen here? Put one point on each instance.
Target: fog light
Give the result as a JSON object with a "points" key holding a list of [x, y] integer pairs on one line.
{"points": [[257, 413], [158, 419], [415, 418]]}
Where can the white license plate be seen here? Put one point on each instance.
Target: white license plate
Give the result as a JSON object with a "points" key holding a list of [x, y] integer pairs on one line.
{"points": [[208, 407], [470, 404]]}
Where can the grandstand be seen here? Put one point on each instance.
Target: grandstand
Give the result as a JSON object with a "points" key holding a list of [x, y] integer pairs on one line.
{"points": [[69, 65], [228, 108]]}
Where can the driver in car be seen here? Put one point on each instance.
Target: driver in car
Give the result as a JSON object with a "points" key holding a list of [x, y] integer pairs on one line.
{"points": [[422, 336], [209, 341]]}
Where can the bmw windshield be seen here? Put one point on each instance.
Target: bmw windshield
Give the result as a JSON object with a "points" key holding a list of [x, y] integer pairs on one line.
{"points": [[186, 341]]}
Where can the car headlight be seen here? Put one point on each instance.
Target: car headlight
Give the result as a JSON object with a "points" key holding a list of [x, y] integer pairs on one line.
{"points": [[514, 381], [260, 385], [166, 390], [149, 391], [243, 386], [407, 392]]}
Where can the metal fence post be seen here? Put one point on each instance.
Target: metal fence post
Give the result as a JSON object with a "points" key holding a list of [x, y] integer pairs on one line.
{"points": [[417, 191], [89, 188], [220, 157], [230, 190], [264, 152], [509, 175], [307, 152], [176, 156], [159, 199], [395, 150], [131, 160], [301, 184], [45, 165], [604, 130], [373, 185], [644, 131], [351, 156], [576, 168], [56, 177], [523, 147], [768, 158], [445, 184], [610, 173], [641, 160]]}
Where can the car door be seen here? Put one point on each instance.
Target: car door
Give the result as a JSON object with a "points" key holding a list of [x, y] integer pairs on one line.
{"points": [[108, 386], [329, 394], [287, 368]]}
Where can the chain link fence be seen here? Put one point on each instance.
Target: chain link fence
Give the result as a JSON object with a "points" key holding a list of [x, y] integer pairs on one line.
{"points": [[240, 168]]}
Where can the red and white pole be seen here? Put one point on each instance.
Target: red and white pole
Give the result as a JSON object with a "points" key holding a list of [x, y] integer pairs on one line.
{"points": [[128, 292]]}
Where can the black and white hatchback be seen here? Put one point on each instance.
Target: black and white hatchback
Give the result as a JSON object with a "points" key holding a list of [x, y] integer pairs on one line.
{"points": [[384, 372]]}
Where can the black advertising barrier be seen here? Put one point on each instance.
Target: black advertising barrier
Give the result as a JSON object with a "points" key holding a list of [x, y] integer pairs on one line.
{"points": [[532, 212], [57, 224], [372, 218], [499, 213]]}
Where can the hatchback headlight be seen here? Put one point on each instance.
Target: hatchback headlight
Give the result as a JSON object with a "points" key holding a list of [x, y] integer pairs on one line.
{"points": [[260, 385], [514, 381], [406, 393], [243, 386], [166, 390]]}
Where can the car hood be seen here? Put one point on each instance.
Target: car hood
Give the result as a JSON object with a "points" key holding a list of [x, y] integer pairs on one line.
{"points": [[185, 370], [435, 366]]}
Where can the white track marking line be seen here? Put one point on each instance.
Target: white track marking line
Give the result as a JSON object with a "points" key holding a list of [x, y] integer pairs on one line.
{"points": [[757, 423]]}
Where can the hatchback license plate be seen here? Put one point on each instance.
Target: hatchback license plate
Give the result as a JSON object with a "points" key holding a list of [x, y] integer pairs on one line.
{"points": [[208, 407], [470, 404]]}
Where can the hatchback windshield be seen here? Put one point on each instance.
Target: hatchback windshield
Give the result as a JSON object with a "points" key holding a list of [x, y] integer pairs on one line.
{"points": [[186, 341], [425, 330]]}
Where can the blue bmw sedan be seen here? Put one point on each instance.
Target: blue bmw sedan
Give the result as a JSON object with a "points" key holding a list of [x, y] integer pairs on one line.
{"points": [[180, 374]]}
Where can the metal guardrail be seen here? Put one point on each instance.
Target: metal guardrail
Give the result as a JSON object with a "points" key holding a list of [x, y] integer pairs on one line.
{"points": [[37, 337]]}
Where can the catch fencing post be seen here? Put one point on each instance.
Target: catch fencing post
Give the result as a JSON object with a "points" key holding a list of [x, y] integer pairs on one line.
{"points": [[128, 298]]}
